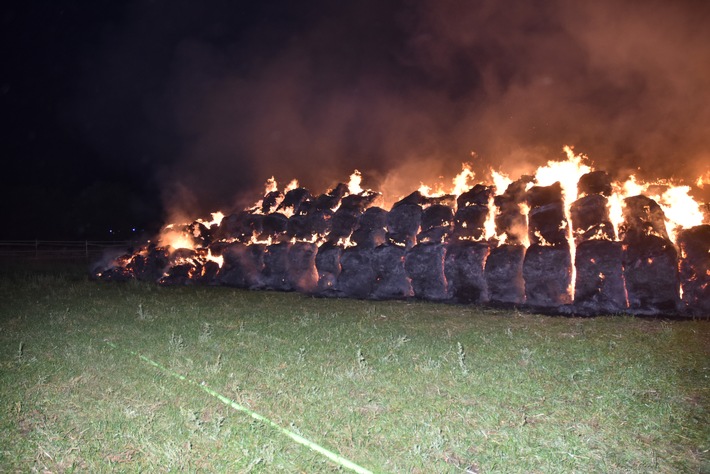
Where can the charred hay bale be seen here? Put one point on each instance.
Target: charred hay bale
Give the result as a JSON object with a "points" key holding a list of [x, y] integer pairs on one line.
{"points": [[296, 199], [694, 246], [115, 274], [437, 215], [469, 222], [504, 274], [302, 273], [479, 195], [370, 231], [150, 265], [180, 274], [328, 267], [651, 275], [547, 272], [539, 196], [331, 200], [642, 216], [595, 182], [599, 284], [275, 271], [209, 273], [403, 223], [434, 235], [274, 225], [424, 264], [268, 203], [240, 226], [243, 266], [201, 235], [299, 227], [391, 281], [357, 275], [436, 223], [319, 221], [512, 224], [343, 222], [359, 202], [510, 220], [548, 223], [590, 219], [464, 269]]}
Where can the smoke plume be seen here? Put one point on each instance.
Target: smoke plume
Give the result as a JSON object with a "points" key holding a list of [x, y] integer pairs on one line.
{"points": [[408, 90]]}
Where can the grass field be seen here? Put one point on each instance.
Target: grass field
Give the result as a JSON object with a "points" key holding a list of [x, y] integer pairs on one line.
{"points": [[390, 386]]}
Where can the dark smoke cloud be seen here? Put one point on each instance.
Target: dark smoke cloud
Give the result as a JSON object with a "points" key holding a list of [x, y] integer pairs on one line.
{"points": [[407, 90]]}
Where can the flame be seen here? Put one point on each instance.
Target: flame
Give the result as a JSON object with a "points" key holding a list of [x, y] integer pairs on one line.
{"points": [[703, 180], [216, 219], [525, 211], [292, 185], [219, 260], [567, 173], [345, 242], [490, 225], [175, 238], [461, 181], [501, 181], [681, 210], [354, 183], [270, 186], [424, 190]]}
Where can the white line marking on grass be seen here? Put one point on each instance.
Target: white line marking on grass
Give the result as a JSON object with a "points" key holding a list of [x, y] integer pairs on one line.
{"points": [[236, 406]]}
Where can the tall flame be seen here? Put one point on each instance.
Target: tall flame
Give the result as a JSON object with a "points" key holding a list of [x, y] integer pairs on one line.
{"points": [[354, 183]]}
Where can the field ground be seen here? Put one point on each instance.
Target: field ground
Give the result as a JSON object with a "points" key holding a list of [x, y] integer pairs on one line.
{"points": [[392, 386]]}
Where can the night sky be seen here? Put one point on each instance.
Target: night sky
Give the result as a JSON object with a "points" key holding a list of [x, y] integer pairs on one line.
{"points": [[122, 115]]}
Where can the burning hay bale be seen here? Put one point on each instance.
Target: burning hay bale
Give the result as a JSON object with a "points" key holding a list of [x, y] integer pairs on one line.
{"points": [[599, 284], [275, 270], [534, 245], [403, 223], [651, 275], [547, 273], [464, 270], [504, 274], [302, 273], [328, 267], [357, 276], [695, 268], [243, 266], [425, 267], [391, 281]]}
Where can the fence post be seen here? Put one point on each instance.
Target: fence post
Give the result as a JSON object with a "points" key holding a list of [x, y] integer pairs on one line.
{"points": [[36, 248], [86, 245]]}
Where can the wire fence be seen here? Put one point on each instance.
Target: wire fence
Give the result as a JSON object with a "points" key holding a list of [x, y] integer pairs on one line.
{"points": [[62, 249]]}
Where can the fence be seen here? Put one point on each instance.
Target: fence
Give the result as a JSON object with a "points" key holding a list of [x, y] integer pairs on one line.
{"points": [[61, 249]]}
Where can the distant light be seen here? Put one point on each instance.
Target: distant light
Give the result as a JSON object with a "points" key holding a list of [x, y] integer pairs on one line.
{"points": [[133, 229]]}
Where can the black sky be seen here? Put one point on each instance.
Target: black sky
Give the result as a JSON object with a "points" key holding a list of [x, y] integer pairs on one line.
{"points": [[118, 115]]}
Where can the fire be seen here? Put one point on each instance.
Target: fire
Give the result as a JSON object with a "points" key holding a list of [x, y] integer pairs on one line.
{"points": [[681, 210], [559, 206], [354, 183], [462, 180], [175, 238], [271, 186], [216, 219]]}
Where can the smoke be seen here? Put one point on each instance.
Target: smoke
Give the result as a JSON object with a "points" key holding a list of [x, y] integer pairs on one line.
{"points": [[407, 90]]}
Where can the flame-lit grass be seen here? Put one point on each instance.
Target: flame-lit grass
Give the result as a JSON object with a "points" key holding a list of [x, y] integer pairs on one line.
{"points": [[393, 386]]}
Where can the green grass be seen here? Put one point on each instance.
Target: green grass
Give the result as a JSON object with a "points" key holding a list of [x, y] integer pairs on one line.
{"points": [[392, 386]]}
